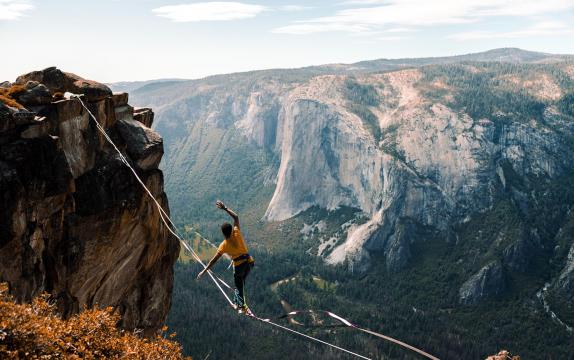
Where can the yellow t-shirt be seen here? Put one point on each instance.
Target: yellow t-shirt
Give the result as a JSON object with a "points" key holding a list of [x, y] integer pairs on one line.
{"points": [[234, 247]]}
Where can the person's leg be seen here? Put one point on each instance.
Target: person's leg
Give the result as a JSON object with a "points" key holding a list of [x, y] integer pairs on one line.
{"points": [[239, 279], [248, 268]]}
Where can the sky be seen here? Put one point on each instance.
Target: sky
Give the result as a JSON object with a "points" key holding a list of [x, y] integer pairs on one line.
{"points": [[128, 40]]}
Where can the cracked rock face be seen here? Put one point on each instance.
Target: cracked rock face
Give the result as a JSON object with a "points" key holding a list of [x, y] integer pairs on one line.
{"points": [[75, 222]]}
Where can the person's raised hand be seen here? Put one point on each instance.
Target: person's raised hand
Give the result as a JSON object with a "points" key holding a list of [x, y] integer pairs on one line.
{"points": [[220, 204]]}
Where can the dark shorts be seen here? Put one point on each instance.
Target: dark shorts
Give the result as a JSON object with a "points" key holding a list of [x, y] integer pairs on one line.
{"points": [[243, 270]]}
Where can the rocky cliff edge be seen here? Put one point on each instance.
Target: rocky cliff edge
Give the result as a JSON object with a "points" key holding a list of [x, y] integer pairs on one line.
{"points": [[74, 221]]}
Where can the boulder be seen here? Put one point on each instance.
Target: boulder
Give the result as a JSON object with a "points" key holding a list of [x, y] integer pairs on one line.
{"points": [[59, 81], [124, 112], [35, 94], [23, 117], [93, 91], [120, 99], [144, 145], [53, 78], [39, 128], [144, 115]]}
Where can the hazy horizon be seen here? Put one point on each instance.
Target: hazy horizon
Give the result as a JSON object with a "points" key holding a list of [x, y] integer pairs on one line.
{"points": [[325, 64]]}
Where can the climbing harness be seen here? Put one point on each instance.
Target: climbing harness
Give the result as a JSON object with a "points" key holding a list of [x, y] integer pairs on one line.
{"points": [[218, 281], [242, 257]]}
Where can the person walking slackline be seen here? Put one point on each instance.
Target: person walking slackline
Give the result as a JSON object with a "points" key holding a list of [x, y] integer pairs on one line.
{"points": [[234, 245]]}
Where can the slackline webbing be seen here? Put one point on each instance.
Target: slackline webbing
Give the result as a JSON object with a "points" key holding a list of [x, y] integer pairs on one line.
{"points": [[347, 323], [216, 280]]}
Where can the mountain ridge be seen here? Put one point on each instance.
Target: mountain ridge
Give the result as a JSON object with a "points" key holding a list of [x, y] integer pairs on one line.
{"points": [[370, 65]]}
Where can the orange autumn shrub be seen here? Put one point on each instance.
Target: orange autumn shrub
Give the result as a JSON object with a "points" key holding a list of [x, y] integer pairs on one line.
{"points": [[10, 102], [7, 95], [35, 331]]}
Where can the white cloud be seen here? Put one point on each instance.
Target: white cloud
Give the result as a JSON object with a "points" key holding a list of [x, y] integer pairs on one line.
{"points": [[399, 30], [209, 11], [547, 28], [13, 9], [375, 14], [364, 2], [550, 25], [294, 8], [391, 38], [522, 7], [300, 29]]}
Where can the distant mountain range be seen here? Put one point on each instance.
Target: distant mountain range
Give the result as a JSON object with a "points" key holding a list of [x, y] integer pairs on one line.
{"points": [[451, 172], [129, 86], [513, 55]]}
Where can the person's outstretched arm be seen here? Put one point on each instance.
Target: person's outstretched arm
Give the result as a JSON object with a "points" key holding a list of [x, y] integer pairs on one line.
{"points": [[231, 213], [210, 265]]}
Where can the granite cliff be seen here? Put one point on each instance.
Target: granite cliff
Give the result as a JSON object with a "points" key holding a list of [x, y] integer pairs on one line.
{"points": [[74, 221]]}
